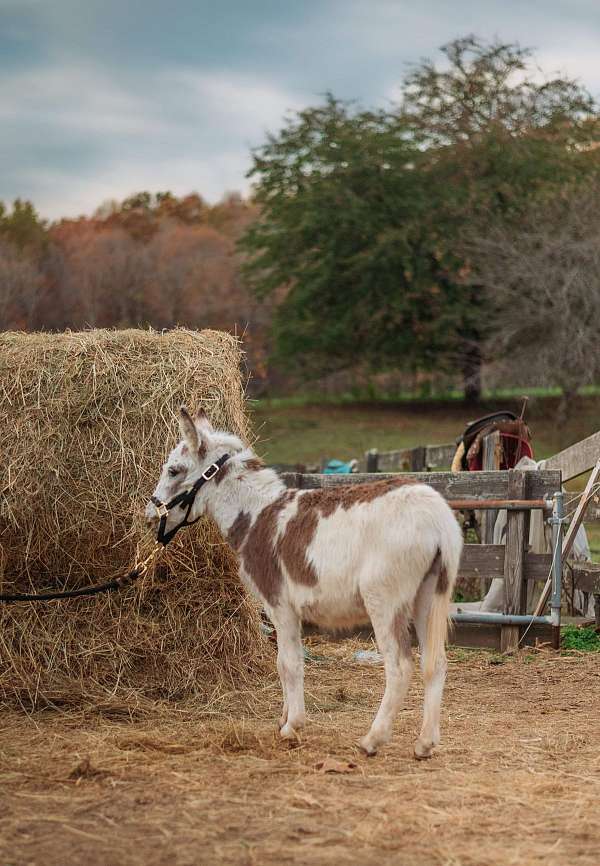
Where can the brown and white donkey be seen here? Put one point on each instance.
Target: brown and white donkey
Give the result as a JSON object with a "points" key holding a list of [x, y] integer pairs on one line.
{"points": [[387, 552]]}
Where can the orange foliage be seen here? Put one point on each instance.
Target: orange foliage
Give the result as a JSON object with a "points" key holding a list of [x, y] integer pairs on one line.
{"points": [[152, 260]]}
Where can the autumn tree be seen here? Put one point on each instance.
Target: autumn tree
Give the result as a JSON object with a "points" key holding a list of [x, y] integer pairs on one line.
{"points": [[21, 288]]}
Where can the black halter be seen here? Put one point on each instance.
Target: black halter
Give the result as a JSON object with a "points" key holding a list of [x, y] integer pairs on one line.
{"points": [[185, 501]]}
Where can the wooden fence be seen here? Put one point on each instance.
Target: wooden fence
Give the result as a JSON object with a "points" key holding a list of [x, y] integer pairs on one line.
{"points": [[424, 458]]}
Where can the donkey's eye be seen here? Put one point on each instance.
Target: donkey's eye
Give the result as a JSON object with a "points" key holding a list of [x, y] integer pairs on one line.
{"points": [[174, 472]]}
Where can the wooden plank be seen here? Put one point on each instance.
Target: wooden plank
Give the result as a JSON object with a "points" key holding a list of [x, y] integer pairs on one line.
{"points": [[417, 459], [474, 635], [470, 635], [394, 461], [537, 566], [487, 560], [569, 538], [517, 532], [439, 456], [483, 561], [452, 485], [507, 504], [586, 576], [576, 459]]}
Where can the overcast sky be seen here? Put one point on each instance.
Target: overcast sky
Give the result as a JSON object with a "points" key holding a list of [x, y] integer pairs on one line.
{"points": [[102, 98]]}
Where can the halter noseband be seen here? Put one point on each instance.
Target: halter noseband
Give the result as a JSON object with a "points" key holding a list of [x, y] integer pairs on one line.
{"points": [[185, 500]]}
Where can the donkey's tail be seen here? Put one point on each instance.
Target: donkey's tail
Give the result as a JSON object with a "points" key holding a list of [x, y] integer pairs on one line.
{"points": [[444, 568]]}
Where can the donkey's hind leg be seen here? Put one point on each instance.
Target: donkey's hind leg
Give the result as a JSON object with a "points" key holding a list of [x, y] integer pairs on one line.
{"points": [[429, 737], [391, 627]]}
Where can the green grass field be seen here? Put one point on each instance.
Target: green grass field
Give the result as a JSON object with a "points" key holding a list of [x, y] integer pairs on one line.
{"points": [[294, 431]]}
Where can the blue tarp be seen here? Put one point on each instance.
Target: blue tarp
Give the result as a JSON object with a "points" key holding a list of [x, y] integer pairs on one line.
{"points": [[336, 467]]}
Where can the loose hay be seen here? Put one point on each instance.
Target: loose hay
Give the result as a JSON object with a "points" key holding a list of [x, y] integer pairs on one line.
{"points": [[84, 420], [514, 783]]}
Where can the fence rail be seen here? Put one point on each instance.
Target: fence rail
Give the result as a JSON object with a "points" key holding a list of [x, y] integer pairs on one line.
{"points": [[424, 458]]}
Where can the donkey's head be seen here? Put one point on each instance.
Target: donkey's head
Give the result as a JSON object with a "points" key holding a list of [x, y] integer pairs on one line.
{"points": [[200, 446]]}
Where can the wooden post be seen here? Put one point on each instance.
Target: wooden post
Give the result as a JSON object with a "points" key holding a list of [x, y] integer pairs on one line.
{"points": [[372, 460], [418, 459], [491, 461], [517, 533]]}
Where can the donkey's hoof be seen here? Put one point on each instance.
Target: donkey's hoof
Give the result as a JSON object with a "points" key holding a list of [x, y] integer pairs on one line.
{"points": [[367, 746], [424, 749], [286, 732]]}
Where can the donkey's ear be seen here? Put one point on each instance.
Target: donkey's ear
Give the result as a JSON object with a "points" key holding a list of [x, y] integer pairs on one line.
{"points": [[202, 421], [188, 430]]}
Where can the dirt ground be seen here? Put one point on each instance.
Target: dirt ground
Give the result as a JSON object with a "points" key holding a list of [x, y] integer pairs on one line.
{"points": [[516, 780]]}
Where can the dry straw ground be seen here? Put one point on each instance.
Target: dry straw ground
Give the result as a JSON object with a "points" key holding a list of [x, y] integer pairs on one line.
{"points": [[85, 420], [516, 781]]}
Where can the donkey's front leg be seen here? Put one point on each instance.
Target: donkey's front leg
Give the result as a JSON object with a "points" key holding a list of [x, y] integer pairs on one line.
{"points": [[290, 664]]}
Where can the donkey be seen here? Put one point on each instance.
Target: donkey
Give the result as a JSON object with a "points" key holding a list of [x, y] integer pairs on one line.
{"points": [[387, 552]]}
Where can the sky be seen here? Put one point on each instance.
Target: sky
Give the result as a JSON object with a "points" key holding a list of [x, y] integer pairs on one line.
{"points": [[103, 98]]}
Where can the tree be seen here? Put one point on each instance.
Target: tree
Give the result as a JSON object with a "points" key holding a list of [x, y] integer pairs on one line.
{"points": [[22, 227], [338, 240], [21, 288], [543, 280], [493, 136], [364, 215]]}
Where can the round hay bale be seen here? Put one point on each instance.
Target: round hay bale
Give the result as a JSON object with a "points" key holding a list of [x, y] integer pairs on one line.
{"points": [[84, 423]]}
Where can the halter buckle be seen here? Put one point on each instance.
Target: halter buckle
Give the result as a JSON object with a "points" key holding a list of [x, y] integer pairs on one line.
{"points": [[211, 471], [161, 509]]}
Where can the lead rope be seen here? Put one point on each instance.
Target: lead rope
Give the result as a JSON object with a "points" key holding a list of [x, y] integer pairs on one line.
{"points": [[139, 570], [185, 500]]}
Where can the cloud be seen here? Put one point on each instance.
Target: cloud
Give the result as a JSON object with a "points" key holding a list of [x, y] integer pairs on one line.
{"points": [[80, 136], [233, 110], [101, 98], [75, 99]]}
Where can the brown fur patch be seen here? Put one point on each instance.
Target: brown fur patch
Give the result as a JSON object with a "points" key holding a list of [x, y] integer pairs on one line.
{"points": [[328, 499], [202, 449], [259, 557], [222, 473], [401, 632], [322, 502], [438, 569], [239, 530], [442, 581], [254, 464], [292, 545]]}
